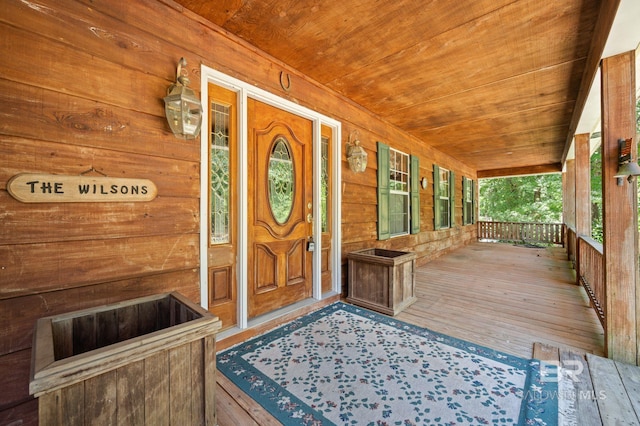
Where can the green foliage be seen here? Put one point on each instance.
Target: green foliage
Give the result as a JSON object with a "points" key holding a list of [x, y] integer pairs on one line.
{"points": [[597, 232], [522, 199]]}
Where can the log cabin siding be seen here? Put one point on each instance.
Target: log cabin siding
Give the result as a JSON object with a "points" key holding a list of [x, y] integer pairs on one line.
{"points": [[81, 87]]}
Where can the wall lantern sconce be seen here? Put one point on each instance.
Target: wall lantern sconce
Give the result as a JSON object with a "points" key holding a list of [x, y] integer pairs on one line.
{"points": [[182, 107], [356, 155], [626, 166]]}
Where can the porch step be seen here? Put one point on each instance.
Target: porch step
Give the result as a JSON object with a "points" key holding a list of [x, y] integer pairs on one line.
{"points": [[605, 392]]}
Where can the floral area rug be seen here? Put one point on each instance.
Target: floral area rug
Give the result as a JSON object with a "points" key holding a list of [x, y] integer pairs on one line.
{"points": [[344, 365]]}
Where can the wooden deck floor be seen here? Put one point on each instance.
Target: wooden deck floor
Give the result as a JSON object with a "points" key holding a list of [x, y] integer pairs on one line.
{"points": [[496, 295], [506, 297]]}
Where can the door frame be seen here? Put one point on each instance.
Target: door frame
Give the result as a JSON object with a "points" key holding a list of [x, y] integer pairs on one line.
{"points": [[244, 91]]}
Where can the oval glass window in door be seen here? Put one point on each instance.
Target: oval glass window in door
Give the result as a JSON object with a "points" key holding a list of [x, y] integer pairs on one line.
{"points": [[281, 186]]}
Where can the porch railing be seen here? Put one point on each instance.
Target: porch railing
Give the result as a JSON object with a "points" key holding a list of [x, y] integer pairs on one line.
{"points": [[527, 232], [590, 272]]}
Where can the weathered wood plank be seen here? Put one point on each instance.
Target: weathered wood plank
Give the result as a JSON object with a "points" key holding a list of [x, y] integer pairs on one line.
{"points": [[156, 384], [106, 328], [584, 397], [73, 404], [22, 45], [251, 408], [619, 208], [25, 414], [15, 369], [100, 399], [545, 352], [126, 219], [615, 406], [458, 296], [57, 266], [86, 122], [198, 372], [209, 352], [180, 385], [630, 375], [131, 394]]}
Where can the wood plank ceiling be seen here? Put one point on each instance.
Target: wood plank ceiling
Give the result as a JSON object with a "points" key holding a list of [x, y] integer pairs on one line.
{"points": [[493, 83]]}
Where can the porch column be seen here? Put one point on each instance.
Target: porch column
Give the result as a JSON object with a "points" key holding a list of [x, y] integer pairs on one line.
{"points": [[582, 193], [619, 209], [583, 184], [569, 193]]}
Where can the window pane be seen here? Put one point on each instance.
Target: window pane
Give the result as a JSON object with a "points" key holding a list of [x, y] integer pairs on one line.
{"points": [[443, 194], [219, 177], [444, 213], [398, 214]]}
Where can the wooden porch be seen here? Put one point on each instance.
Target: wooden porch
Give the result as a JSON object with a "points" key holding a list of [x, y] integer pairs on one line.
{"points": [[502, 296]]}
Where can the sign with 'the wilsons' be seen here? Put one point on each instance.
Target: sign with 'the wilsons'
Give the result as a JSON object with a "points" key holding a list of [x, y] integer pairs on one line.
{"points": [[50, 188]]}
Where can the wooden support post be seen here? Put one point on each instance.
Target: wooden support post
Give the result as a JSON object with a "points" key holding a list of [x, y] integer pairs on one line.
{"points": [[582, 193], [583, 184], [569, 195], [619, 209]]}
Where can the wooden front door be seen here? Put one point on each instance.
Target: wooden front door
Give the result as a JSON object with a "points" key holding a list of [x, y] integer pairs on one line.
{"points": [[279, 208]]}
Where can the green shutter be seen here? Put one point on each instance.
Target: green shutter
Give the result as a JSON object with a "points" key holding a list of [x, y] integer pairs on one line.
{"points": [[383, 191], [465, 213], [414, 175], [452, 199], [436, 197]]}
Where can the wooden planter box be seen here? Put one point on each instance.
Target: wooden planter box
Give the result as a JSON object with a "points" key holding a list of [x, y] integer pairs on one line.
{"points": [[144, 361], [381, 279]]}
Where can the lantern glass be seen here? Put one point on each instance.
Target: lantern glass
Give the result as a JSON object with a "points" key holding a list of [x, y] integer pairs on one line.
{"points": [[183, 111], [357, 158]]}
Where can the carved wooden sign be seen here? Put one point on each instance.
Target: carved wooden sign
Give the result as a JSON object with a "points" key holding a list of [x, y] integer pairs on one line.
{"points": [[50, 188]]}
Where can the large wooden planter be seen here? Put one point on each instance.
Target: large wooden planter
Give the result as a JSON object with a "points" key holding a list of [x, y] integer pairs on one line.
{"points": [[144, 361], [381, 279]]}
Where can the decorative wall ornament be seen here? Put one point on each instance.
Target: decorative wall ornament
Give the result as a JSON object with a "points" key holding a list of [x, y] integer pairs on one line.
{"points": [[286, 86], [51, 188], [182, 107], [356, 155]]}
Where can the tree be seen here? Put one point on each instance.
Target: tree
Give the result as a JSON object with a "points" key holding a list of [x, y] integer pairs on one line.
{"points": [[522, 199]]}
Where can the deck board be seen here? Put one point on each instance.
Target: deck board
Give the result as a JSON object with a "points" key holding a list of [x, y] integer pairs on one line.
{"points": [[496, 295], [506, 297]]}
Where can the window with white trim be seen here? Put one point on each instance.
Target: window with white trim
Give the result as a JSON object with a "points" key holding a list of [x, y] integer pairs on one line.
{"points": [[398, 193], [443, 197]]}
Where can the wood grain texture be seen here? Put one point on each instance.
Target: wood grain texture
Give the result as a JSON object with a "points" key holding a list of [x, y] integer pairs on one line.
{"points": [[586, 405], [615, 406], [619, 213]]}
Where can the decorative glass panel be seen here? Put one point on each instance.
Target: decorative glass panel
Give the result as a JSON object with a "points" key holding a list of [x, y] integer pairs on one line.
{"points": [[281, 188], [324, 183], [219, 178]]}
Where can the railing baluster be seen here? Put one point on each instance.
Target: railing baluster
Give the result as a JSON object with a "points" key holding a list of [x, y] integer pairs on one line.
{"points": [[544, 233]]}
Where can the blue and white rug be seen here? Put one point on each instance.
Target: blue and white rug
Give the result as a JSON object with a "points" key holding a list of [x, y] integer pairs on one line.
{"points": [[344, 365]]}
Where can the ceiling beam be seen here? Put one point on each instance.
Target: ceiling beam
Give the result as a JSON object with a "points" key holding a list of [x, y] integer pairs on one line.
{"points": [[519, 171], [608, 9]]}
